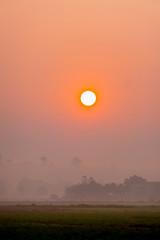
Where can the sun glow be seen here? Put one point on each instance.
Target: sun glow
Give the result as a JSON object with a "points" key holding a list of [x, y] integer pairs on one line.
{"points": [[88, 98]]}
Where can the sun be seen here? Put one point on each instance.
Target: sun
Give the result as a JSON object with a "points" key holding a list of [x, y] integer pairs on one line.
{"points": [[88, 98]]}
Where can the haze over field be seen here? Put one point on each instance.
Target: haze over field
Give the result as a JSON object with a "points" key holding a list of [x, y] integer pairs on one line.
{"points": [[50, 51]]}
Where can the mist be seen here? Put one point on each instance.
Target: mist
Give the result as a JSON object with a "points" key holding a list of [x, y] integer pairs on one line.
{"points": [[50, 50]]}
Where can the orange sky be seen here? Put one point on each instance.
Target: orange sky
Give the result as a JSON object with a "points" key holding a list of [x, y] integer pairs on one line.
{"points": [[50, 51]]}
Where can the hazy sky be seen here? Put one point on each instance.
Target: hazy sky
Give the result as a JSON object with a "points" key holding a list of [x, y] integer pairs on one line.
{"points": [[52, 49]]}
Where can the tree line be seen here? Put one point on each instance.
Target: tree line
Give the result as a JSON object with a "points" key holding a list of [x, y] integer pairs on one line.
{"points": [[88, 189]]}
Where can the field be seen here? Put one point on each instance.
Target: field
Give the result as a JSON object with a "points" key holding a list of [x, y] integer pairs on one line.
{"points": [[85, 222]]}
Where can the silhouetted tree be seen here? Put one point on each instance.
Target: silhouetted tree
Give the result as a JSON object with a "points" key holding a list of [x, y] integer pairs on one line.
{"points": [[134, 179], [76, 161], [91, 180], [133, 188], [54, 197], [84, 179]]}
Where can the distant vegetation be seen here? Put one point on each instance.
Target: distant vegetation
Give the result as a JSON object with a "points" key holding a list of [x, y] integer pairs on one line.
{"points": [[134, 188]]}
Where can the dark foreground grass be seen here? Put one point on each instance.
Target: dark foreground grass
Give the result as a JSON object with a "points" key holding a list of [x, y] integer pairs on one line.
{"points": [[79, 222]]}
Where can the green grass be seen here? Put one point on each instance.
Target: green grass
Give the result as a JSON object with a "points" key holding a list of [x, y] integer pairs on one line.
{"points": [[79, 222]]}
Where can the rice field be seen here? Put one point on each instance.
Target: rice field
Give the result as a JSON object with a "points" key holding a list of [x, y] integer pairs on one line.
{"points": [[79, 222]]}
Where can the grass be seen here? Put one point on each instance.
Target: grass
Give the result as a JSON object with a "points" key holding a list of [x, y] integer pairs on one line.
{"points": [[79, 222]]}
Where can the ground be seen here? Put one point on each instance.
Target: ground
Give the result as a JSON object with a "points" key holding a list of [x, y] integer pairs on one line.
{"points": [[119, 222]]}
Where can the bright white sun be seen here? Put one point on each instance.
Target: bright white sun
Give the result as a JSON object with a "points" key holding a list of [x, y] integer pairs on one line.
{"points": [[88, 98]]}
